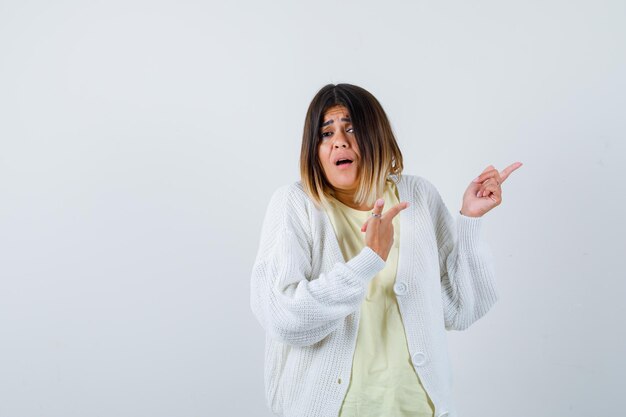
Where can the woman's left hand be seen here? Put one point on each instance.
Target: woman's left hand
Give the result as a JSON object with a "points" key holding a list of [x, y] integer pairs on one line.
{"points": [[485, 191]]}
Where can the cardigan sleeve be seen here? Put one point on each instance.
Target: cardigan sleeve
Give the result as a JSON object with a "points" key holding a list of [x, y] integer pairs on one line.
{"points": [[291, 305], [466, 265]]}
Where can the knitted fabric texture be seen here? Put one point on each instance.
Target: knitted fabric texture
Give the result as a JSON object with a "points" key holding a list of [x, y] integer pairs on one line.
{"points": [[307, 297]]}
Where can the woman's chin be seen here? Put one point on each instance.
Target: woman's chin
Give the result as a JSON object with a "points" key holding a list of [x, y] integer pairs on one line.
{"points": [[345, 185]]}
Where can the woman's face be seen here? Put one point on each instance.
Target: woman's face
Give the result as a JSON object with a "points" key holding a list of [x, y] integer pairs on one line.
{"points": [[338, 150]]}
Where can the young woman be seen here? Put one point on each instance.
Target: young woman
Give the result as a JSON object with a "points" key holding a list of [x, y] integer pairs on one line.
{"points": [[361, 270]]}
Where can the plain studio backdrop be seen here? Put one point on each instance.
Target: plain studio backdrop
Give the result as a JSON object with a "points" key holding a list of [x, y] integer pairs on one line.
{"points": [[140, 142]]}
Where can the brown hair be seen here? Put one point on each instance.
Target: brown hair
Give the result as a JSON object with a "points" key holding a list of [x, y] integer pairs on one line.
{"points": [[380, 154]]}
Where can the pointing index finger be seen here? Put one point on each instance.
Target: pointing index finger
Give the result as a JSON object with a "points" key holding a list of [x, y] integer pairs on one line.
{"points": [[508, 170], [392, 212]]}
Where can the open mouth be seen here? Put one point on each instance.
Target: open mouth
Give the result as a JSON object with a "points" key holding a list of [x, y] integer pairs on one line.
{"points": [[343, 162]]}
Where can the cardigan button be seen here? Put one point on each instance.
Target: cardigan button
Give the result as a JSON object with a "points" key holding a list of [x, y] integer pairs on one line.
{"points": [[419, 359], [400, 288]]}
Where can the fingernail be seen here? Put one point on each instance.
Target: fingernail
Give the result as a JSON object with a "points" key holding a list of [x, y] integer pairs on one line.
{"points": [[475, 179], [478, 194], [380, 202]]}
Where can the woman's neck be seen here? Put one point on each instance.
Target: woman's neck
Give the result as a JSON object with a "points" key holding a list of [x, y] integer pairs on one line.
{"points": [[347, 198]]}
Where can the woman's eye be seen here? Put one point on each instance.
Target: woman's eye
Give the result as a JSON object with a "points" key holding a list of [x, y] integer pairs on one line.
{"points": [[350, 129], [326, 134]]}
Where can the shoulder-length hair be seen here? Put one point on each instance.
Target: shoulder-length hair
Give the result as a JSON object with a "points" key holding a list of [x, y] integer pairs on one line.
{"points": [[379, 151]]}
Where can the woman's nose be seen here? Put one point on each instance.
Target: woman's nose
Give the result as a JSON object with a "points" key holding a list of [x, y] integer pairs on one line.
{"points": [[341, 141]]}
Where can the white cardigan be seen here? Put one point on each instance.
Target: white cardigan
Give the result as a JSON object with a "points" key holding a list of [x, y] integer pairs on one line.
{"points": [[307, 297]]}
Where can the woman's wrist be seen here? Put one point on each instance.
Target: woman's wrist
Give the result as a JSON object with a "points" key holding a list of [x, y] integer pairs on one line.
{"points": [[466, 215]]}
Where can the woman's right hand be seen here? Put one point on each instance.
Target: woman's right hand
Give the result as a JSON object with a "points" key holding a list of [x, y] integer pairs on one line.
{"points": [[379, 230]]}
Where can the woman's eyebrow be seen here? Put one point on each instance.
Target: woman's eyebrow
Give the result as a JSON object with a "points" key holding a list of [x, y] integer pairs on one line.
{"points": [[331, 121]]}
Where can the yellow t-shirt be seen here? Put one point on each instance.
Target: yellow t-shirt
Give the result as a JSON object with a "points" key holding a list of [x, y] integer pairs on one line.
{"points": [[383, 380]]}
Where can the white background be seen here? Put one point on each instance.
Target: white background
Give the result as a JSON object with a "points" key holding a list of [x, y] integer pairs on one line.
{"points": [[140, 142]]}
